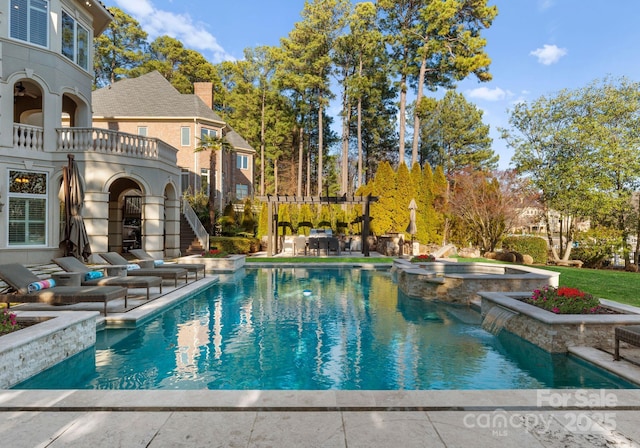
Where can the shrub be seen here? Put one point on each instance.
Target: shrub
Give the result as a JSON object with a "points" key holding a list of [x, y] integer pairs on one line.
{"points": [[530, 245], [564, 300], [235, 245], [594, 245]]}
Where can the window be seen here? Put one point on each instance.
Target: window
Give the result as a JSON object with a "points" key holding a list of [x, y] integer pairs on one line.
{"points": [[27, 208], [242, 191], [184, 180], [185, 136], [143, 131], [75, 41], [29, 21], [204, 132], [205, 180], [242, 162]]}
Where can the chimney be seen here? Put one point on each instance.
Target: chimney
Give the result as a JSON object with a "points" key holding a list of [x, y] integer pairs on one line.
{"points": [[204, 90]]}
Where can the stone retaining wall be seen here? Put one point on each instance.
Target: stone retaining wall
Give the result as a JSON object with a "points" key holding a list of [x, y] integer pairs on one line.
{"points": [[53, 337], [555, 333]]}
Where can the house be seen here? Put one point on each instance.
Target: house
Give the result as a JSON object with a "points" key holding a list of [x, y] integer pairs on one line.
{"points": [[46, 76], [150, 106]]}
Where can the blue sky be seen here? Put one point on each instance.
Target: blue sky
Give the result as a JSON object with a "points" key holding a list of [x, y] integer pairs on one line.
{"points": [[537, 47]]}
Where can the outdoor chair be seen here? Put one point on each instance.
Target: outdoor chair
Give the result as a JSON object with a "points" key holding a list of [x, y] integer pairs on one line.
{"points": [[72, 264], [314, 244], [333, 245], [191, 267], [20, 281], [300, 244], [134, 269]]}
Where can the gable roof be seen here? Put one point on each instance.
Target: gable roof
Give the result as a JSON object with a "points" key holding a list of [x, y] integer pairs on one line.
{"points": [[237, 141], [149, 96]]}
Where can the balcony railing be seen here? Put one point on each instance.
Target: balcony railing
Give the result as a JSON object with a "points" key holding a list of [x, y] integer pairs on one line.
{"points": [[28, 137], [31, 138]]}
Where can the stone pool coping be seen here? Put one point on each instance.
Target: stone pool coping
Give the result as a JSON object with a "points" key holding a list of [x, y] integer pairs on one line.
{"points": [[306, 400]]}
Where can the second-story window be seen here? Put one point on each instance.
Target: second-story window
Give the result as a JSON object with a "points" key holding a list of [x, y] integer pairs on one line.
{"points": [[75, 41], [143, 131], [204, 132], [29, 21], [185, 136], [242, 162]]}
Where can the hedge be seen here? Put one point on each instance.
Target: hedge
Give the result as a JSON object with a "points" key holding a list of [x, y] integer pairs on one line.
{"points": [[527, 245], [235, 244]]}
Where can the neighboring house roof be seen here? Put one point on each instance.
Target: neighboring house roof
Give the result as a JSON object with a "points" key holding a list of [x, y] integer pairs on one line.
{"points": [[237, 141], [149, 96]]}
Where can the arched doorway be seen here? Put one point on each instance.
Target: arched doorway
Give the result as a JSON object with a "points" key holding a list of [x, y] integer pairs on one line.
{"points": [[126, 215]]}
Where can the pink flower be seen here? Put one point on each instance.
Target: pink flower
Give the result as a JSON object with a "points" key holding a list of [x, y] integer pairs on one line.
{"points": [[556, 309]]}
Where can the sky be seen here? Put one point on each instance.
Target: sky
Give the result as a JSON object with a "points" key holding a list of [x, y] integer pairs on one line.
{"points": [[537, 47]]}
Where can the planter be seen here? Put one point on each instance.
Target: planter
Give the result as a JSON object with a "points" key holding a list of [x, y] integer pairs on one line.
{"points": [[552, 332], [230, 263], [53, 337]]}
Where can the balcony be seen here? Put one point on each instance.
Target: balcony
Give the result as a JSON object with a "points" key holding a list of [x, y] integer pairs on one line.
{"points": [[74, 140]]}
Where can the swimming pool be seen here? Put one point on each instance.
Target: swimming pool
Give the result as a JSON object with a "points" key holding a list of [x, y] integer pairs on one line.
{"points": [[315, 329]]}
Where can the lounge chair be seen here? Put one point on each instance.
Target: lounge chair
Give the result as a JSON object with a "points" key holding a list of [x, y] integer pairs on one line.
{"points": [[18, 279], [116, 259], [191, 267], [72, 264]]}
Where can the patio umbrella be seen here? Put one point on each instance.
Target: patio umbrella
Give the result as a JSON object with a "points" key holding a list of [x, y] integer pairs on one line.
{"points": [[412, 228], [76, 240]]}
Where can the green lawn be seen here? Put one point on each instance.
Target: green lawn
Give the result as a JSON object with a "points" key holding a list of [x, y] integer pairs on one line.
{"points": [[620, 286]]}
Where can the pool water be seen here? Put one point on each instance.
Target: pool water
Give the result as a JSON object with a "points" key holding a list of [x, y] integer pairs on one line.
{"points": [[319, 329]]}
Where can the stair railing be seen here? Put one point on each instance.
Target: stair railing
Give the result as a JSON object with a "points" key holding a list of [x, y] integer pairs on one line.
{"points": [[196, 225]]}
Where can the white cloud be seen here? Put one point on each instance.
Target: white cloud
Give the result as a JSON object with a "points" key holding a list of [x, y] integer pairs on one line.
{"points": [[549, 54], [157, 23], [487, 94], [546, 4]]}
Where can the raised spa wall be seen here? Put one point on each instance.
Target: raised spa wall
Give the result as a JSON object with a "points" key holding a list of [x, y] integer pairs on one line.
{"points": [[461, 283], [230, 263]]}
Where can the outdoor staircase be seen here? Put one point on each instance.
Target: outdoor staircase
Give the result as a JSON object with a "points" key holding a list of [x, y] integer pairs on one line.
{"points": [[189, 243]]}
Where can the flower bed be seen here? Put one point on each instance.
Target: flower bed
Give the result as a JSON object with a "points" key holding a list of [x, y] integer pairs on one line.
{"points": [[565, 300]]}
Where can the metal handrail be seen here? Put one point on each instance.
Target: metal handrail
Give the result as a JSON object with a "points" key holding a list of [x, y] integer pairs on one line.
{"points": [[194, 222]]}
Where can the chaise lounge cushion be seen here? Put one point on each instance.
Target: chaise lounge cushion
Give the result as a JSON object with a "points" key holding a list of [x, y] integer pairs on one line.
{"points": [[72, 264], [191, 267], [116, 259], [18, 278]]}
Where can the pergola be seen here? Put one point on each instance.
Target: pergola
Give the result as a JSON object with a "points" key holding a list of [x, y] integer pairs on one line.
{"points": [[273, 201]]}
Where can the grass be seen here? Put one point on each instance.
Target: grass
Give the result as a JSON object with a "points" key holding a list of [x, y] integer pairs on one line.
{"points": [[302, 260], [619, 286]]}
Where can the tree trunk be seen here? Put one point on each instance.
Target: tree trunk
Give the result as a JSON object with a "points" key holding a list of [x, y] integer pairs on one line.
{"points": [[402, 124], [359, 132], [300, 160], [262, 142], [416, 118], [320, 143], [346, 117]]}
